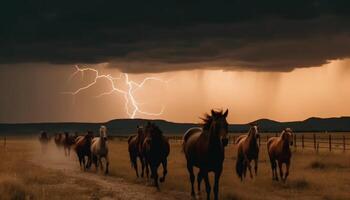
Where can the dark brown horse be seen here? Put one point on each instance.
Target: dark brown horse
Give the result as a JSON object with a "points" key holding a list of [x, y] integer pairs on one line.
{"points": [[44, 140], [156, 149], [247, 150], [204, 148], [82, 148], [135, 150], [58, 139], [279, 152], [67, 141]]}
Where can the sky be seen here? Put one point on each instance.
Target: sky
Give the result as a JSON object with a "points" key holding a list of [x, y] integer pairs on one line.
{"points": [[284, 61]]}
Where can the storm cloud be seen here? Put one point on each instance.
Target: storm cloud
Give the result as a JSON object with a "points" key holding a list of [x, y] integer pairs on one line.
{"points": [[158, 36]]}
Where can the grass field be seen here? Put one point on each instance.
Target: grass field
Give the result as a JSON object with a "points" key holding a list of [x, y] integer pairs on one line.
{"points": [[312, 176]]}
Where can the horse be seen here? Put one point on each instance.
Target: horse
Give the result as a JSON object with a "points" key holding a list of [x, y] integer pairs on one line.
{"points": [[67, 141], [204, 148], [279, 152], [99, 149], [58, 138], [82, 148], [156, 149], [135, 150], [44, 140], [247, 150]]}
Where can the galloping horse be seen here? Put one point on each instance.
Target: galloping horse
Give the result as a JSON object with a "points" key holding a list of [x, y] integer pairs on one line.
{"points": [[156, 149], [67, 141], [44, 140], [99, 149], [279, 151], [247, 150], [135, 149], [204, 148], [58, 138], [82, 148]]}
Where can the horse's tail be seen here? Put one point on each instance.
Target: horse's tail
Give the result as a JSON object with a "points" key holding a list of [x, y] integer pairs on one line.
{"points": [[240, 166]]}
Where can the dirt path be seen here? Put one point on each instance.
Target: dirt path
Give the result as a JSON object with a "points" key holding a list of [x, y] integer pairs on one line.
{"points": [[105, 187]]}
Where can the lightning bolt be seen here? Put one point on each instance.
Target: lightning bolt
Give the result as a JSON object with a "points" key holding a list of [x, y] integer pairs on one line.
{"points": [[128, 94]]}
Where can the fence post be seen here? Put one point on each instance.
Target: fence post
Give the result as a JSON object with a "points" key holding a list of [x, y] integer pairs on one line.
{"points": [[330, 142], [295, 141], [344, 143], [318, 146], [314, 135], [4, 141], [302, 141]]}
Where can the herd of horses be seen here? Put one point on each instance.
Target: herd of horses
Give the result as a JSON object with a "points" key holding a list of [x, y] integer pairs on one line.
{"points": [[203, 147]]}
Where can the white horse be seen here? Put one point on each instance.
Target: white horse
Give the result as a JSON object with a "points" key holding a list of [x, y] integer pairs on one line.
{"points": [[99, 149]]}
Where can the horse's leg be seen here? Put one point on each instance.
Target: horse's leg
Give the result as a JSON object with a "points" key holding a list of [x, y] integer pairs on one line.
{"points": [[100, 162], [276, 175], [83, 162], [147, 169], [165, 169], [287, 170], [190, 171], [142, 165], [216, 183], [89, 161], [107, 164], [199, 180], [155, 175], [134, 160], [273, 168], [280, 168], [248, 165], [207, 184], [256, 166]]}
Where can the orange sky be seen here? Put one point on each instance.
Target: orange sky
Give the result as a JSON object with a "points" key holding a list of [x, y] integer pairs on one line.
{"points": [[320, 91], [297, 95]]}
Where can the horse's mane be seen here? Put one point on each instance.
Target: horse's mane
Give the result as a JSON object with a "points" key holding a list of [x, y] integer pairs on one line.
{"points": [[208, 119], [156, 132]]}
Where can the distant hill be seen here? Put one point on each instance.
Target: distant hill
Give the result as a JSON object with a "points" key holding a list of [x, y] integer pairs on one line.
{"points": [[128, 126]]}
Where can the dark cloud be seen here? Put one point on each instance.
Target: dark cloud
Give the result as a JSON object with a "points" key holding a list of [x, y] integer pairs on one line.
{"points": [[155, 36]]}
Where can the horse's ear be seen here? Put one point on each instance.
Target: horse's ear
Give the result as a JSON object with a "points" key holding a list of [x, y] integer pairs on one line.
{"points": [[226, 113]]}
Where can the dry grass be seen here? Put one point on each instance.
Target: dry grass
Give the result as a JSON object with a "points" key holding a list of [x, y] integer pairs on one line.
{"points": [[312, 176], [306, 181]]}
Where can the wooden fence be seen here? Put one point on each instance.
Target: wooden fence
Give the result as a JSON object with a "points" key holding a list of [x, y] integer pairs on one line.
{"points": [[315, 141]]}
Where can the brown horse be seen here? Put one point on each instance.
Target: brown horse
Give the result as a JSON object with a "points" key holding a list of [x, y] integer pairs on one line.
{"points": [[67, 141], [204, 148], [156, 149], [279, 152], [135, 149], [247, 150], [44, 140], [82, 148], [58, 139]]}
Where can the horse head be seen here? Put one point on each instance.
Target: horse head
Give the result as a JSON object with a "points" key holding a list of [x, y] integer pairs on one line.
{"points": [[152, 132], [139, 131], [217, 123], [103, 133], [254, 131], [287, 135], [89, 135]]}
